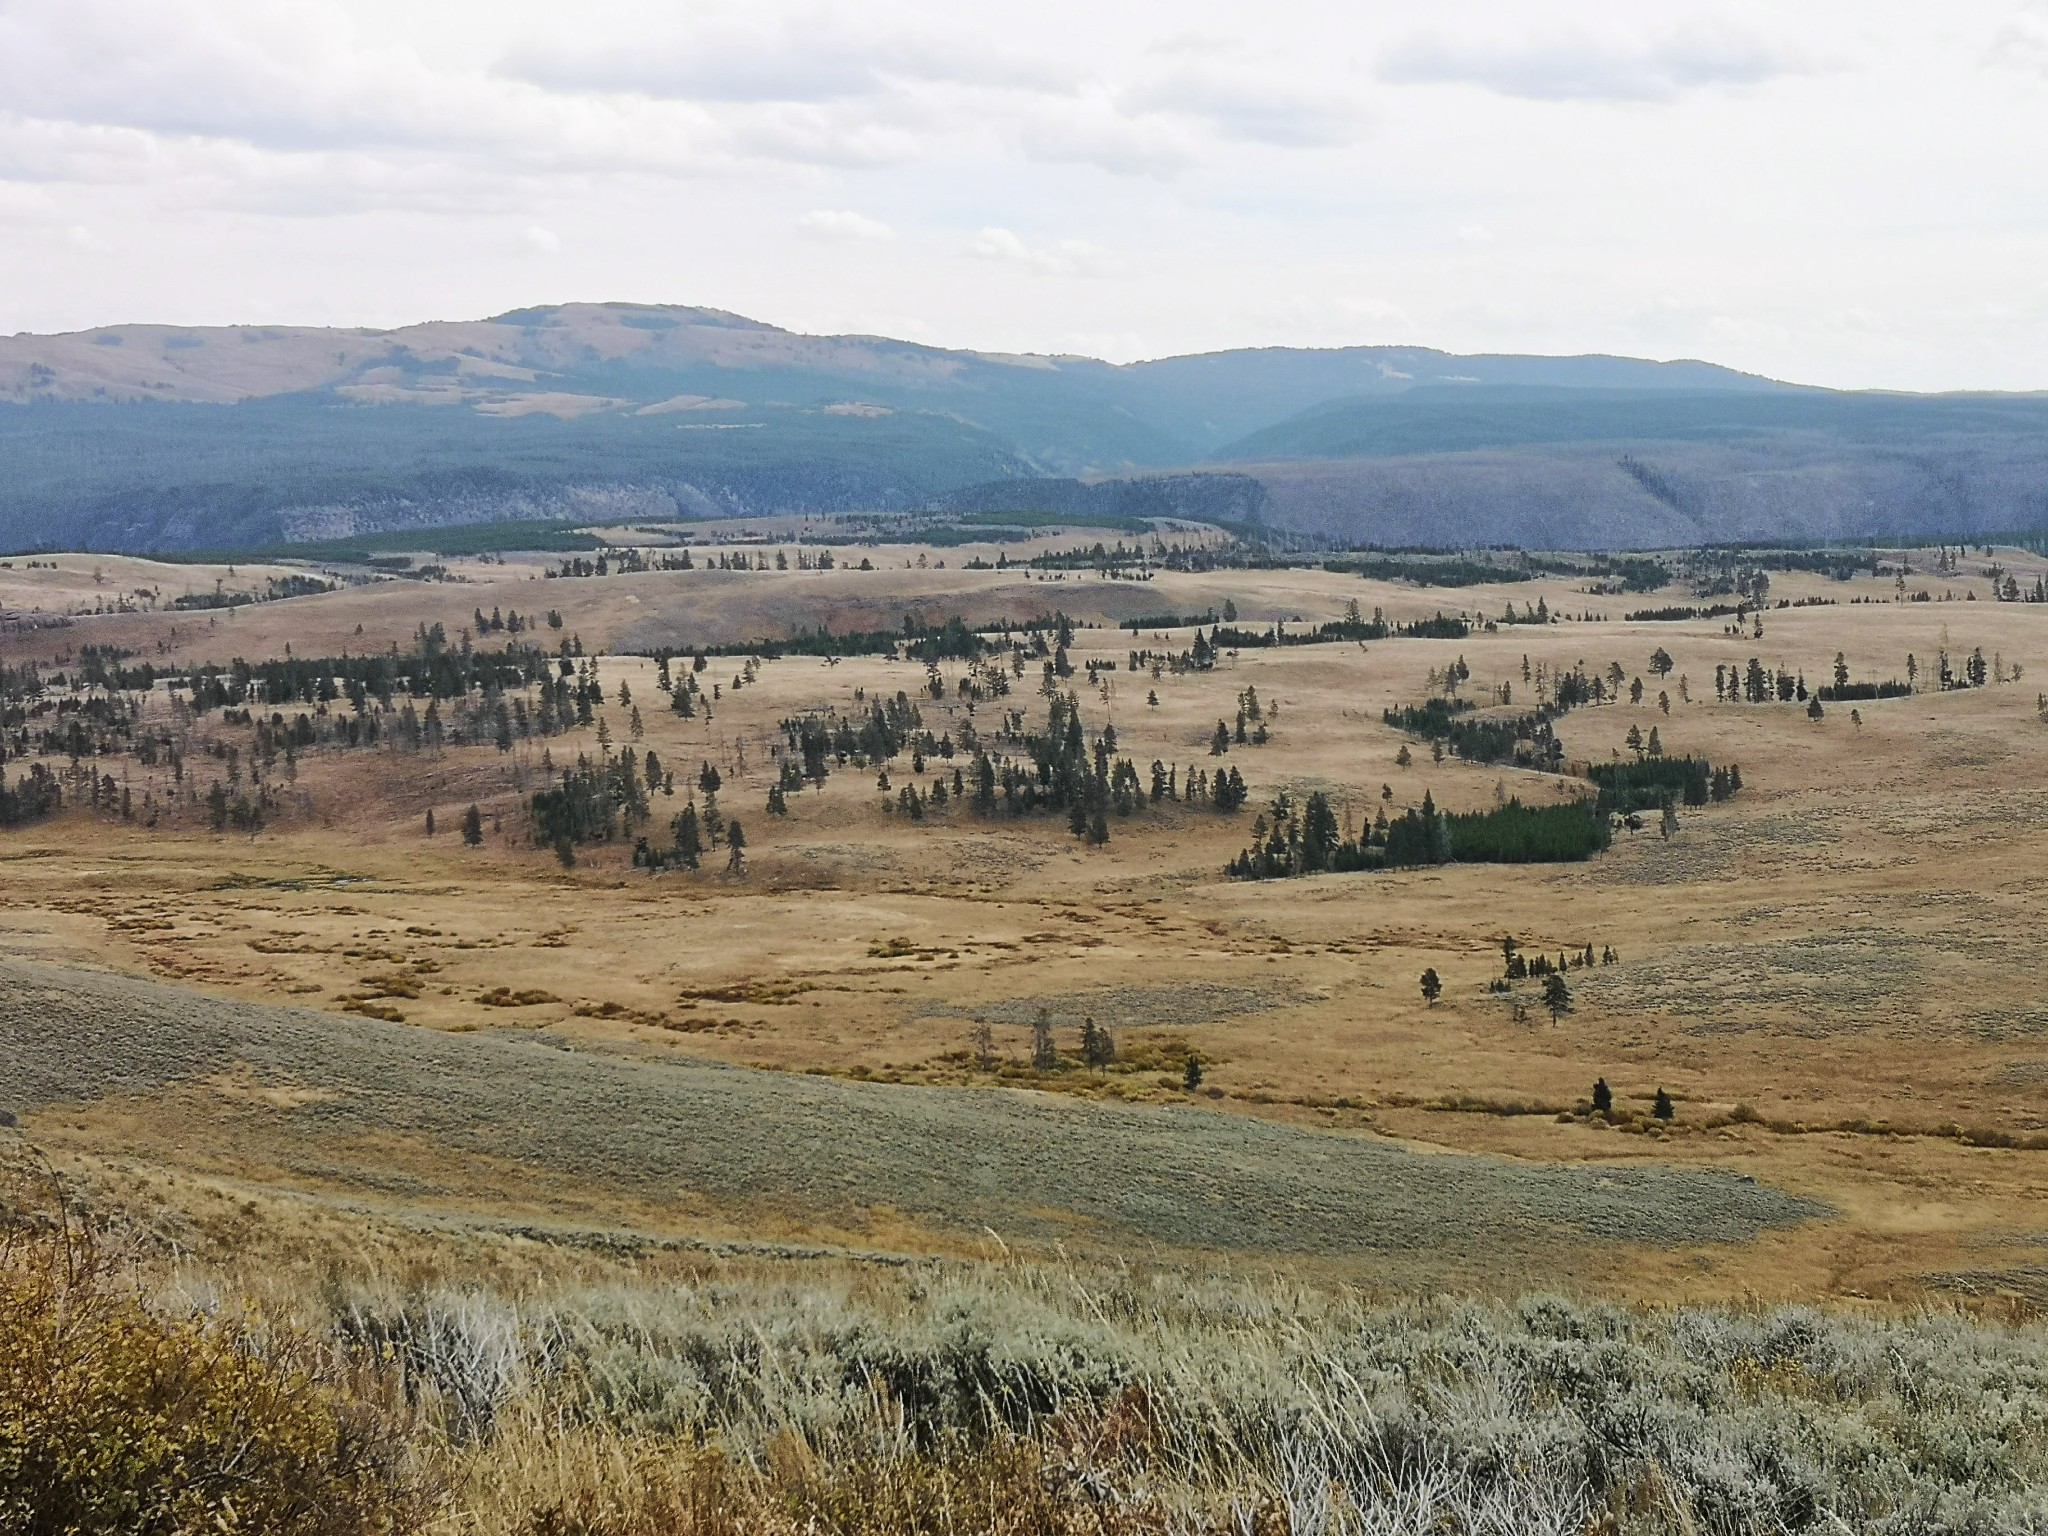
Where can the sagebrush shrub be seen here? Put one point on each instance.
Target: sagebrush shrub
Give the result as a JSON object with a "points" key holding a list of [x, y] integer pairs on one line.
{"points": [[114, 1419]]}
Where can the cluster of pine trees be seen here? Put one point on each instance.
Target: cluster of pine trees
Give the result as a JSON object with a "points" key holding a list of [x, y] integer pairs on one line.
{"points": [[1528, 740], [31, 797], [1652, 782], [1304, 839]]}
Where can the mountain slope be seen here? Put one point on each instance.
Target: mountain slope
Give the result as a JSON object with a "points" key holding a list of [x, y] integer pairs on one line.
{"points": [[160, 437]]}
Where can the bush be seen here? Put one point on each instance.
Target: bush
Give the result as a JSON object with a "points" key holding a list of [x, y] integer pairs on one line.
{"points": [[113, 1419]]}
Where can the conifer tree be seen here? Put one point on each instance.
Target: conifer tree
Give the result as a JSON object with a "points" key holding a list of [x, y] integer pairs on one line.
{"points": [[689, 838], [473, 826], [1663, 1108], [1432, 986], [1557, 997], [1097, 1048], [1603, 1097], [736, 841], [1045, 1056]]}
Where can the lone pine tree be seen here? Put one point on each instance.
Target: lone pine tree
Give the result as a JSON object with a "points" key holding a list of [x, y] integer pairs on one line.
{"points": [[1045, 1056], [1557, 997]]}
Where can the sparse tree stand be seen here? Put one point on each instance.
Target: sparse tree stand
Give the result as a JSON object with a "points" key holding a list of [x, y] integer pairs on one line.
{"points": [[1603, 1097], [1432, 986]]}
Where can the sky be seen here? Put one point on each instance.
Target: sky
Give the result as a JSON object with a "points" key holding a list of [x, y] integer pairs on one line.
{"points": [[1851, 194]]}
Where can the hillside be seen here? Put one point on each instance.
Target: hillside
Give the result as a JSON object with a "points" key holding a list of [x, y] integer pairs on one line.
{"points": [[149, 437]]}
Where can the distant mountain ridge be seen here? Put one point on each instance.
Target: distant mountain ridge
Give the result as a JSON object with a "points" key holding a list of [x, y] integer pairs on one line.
{"points": [[152, 436]]}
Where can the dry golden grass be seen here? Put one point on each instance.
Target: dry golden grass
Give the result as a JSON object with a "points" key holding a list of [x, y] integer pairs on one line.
{"points": [[1850, 948]]}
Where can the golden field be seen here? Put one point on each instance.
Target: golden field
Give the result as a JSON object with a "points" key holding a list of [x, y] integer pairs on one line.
{"points": [[1833, 974]]}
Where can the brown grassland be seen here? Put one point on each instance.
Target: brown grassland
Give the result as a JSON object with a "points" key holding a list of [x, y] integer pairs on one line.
{"points": [[344, 1056]]}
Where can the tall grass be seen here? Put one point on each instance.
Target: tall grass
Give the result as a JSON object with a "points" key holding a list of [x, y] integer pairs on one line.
{"points": [[1030, 1399]]}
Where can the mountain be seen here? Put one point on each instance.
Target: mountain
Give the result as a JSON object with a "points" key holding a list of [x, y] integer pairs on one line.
{"points": [[162, 437]]}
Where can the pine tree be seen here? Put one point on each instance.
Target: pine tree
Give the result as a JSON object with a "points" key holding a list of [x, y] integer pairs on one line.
{"points": [[1663, 1109], [1557, 997], [1603, 1097], [1045, 1056], [736, 841], [1191, 1077], [473, 826], [689, 838], [430, 818], [1097, 1048], [1432, 986]]}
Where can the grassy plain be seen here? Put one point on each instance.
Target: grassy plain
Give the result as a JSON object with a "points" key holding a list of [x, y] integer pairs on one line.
{"points": [[1834, 974]]}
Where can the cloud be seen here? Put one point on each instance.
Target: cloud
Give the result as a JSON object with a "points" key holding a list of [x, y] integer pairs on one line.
{"points": [[1578, 66], [1060, 259], [1097, 131], [782, 59], [540, 240], [844, 224], [2023, 39], [1255, 104]]}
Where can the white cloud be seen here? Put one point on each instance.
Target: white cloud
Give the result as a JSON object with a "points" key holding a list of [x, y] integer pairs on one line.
{"points": [[1060, 258], [1257, 103], [1582, 65], [767, 58], [844, 224], [540, 240], [2022, 38], [1098, 132], [1143, 182]]}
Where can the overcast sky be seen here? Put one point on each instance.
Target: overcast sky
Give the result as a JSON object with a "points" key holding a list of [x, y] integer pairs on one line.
{"points": [[1840, 193]]}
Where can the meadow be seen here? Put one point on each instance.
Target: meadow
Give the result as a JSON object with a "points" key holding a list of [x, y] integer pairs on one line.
{"points": [[957, 1138]]}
